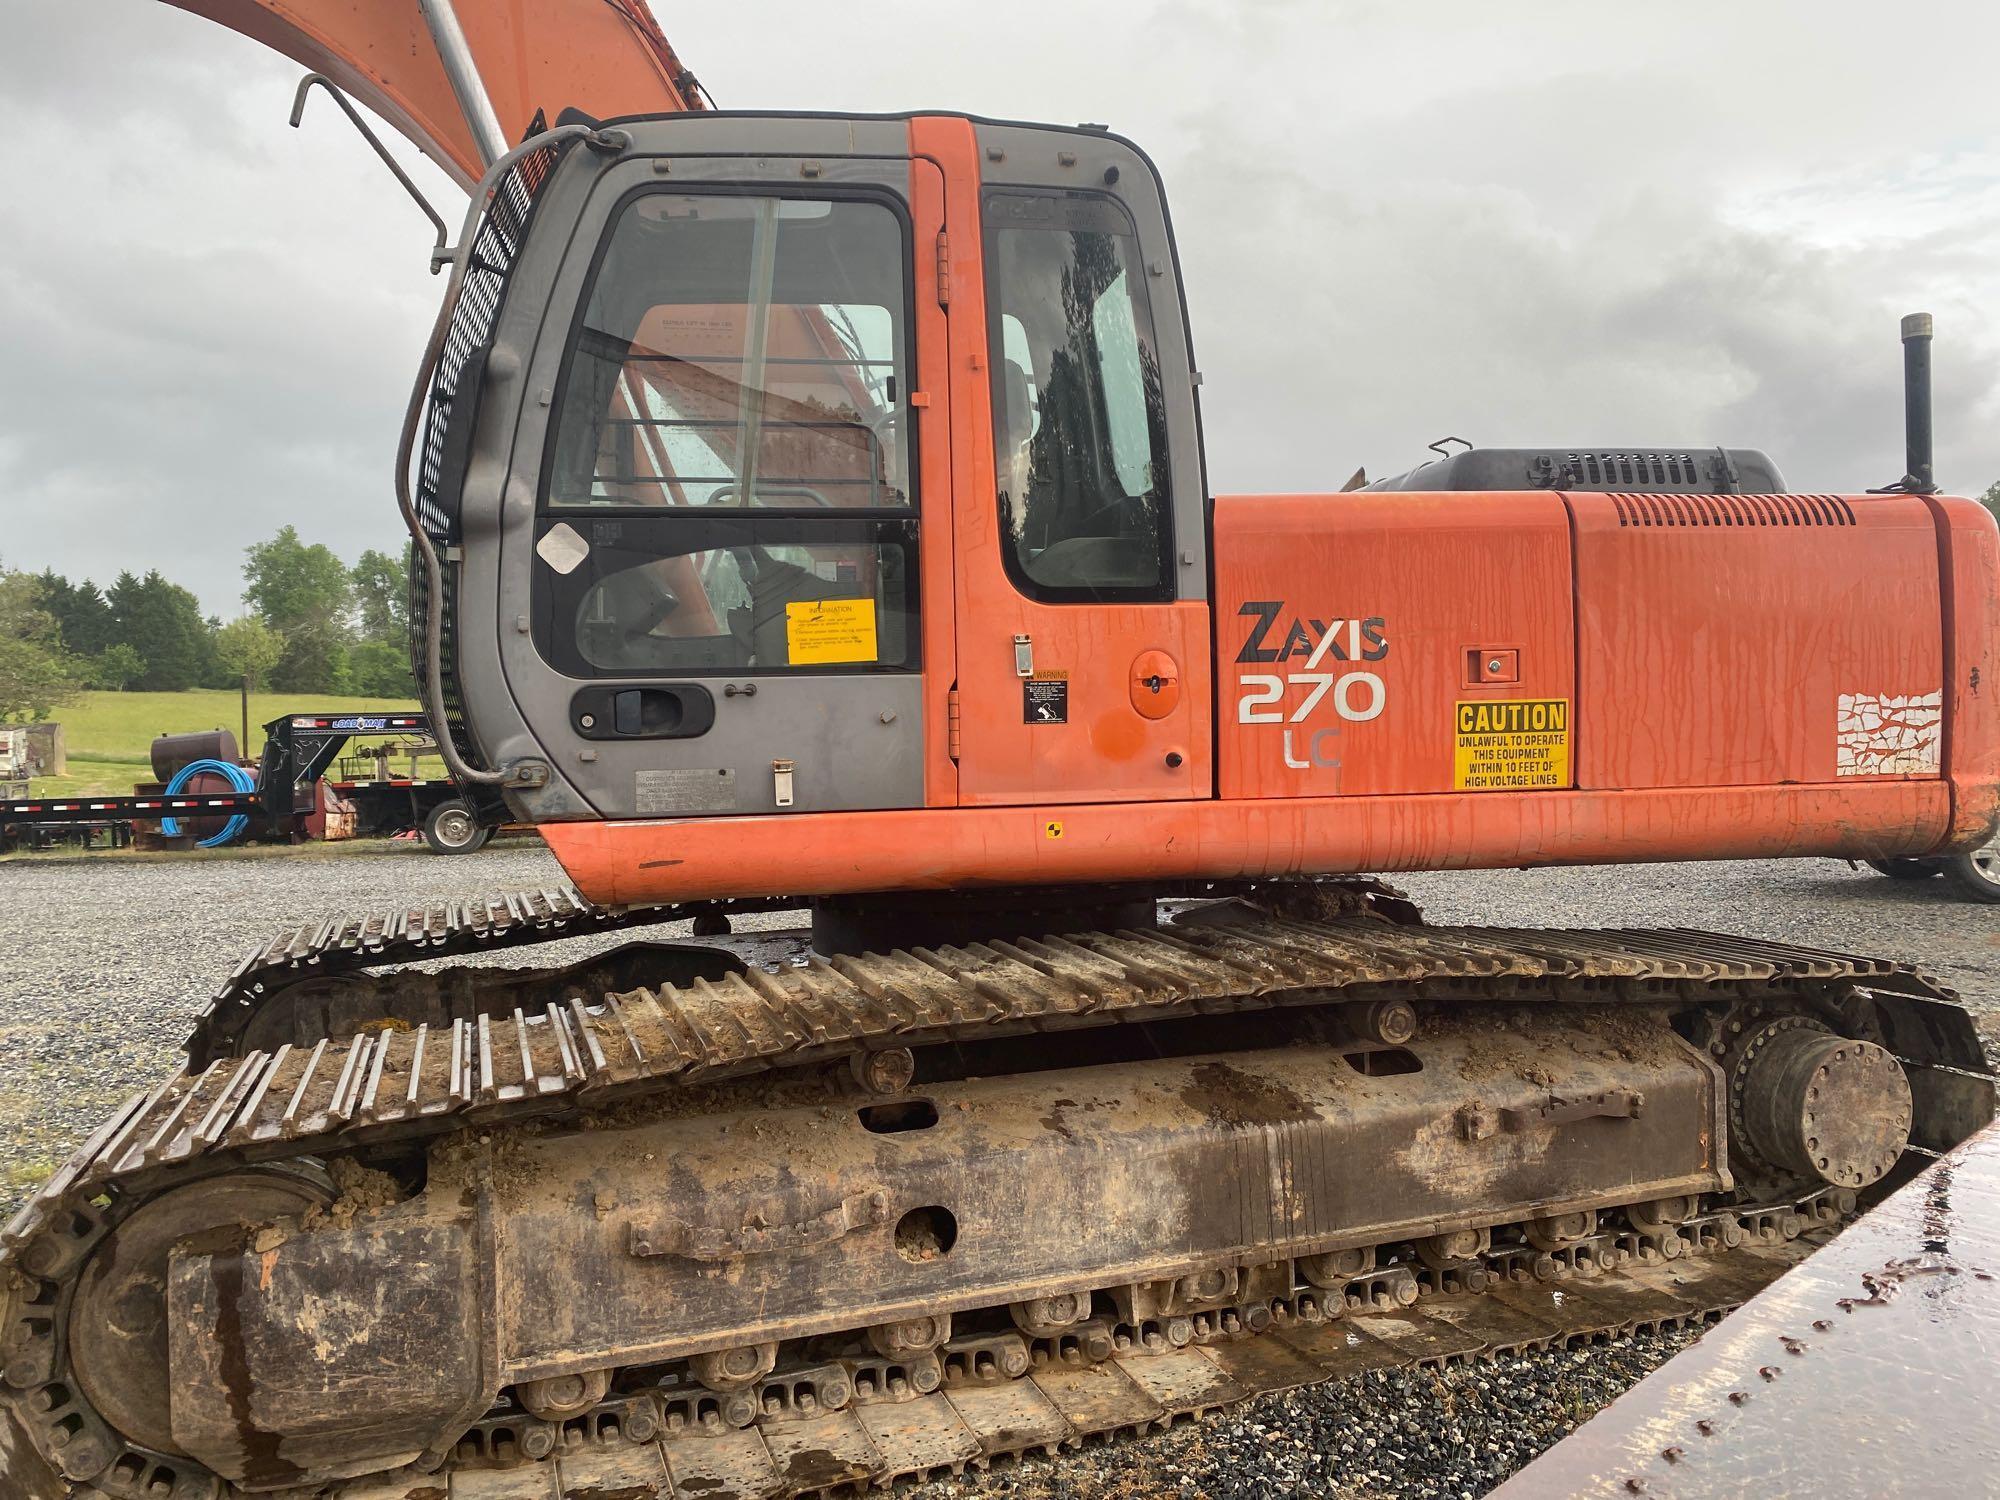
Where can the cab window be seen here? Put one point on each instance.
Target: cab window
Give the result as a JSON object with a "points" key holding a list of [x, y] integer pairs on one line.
{"points": [[728, 488], [1078, 416]]}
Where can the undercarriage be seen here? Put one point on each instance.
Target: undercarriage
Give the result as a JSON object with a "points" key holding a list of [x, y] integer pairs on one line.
{"points": [[734, 1218]]}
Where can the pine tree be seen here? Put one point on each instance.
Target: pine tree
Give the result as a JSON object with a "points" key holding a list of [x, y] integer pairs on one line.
{"points": [[82, 616], [163, 623]]}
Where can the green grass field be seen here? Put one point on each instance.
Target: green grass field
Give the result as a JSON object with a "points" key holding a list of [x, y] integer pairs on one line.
{"points": [[107, 734]]}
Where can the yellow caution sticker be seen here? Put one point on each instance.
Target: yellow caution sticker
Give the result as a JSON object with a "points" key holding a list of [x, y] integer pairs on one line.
{"points": [[1512, 745], [820, 631]]}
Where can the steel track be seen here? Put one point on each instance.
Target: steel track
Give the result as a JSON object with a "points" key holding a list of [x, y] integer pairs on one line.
{"points": [[355, 944], [1073, 1392], [369, 1090]]}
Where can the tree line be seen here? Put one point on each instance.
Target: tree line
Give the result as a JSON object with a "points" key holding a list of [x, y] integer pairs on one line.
{"points": [[313, 624]]}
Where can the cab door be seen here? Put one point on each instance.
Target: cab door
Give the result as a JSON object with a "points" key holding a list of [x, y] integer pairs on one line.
{"points": [[1082, 630]]}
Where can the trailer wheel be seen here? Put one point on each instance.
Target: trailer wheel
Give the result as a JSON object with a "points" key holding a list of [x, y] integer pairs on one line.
{"points": [[1908, 869], [1977, 874], [450, 828]]}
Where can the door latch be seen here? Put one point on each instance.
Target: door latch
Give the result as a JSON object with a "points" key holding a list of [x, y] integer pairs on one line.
{"points": [[1024, 656], [781, 782]]}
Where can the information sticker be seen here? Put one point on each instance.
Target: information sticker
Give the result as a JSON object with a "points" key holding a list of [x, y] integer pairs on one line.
{"points": [[1512, 745], [821, 631], [1045, 698]]}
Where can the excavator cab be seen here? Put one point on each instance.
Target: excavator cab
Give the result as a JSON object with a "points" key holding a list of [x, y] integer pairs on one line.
{"points": [[823, 464]]}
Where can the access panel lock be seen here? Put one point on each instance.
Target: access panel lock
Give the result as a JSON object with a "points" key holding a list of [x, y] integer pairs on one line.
{"points": [[1492, 664], [1155, 684], [781, 782]]}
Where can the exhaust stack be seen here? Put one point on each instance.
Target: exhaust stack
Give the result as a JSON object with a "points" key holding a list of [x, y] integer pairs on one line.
{"points": [[1917, 475]]}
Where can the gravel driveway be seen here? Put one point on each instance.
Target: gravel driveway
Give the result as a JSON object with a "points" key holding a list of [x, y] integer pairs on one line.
{"points": [[104, 962]]}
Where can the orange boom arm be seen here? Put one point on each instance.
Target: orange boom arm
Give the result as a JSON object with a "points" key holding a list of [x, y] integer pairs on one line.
{"points": [[607, 57]]}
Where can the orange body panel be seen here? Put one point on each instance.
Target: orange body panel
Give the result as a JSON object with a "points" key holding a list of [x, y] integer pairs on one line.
{"points": [[1434, 595], [1417, 591], [605, 57], [1717, 640], [931, 400], [1055, 843], [1107, 750], [1969, 556]]}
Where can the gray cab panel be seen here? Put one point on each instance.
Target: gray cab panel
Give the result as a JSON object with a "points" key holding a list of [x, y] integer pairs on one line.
{"points": [[810, 738]]}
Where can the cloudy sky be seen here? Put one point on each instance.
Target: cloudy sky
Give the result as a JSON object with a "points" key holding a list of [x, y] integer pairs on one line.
{"points": [[1601, 221]]}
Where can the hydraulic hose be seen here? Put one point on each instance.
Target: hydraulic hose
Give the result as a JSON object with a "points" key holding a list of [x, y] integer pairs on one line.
{"points": [[239, 780]]}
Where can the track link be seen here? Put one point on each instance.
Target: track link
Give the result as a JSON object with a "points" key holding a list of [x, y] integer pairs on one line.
{"points": [[1106, 1380], [355, 944], [339, 1097]]}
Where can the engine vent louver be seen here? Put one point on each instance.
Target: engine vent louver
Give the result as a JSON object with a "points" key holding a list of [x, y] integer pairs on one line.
{"points": [[1732, 510], [1611, 467], [1645, 470]]}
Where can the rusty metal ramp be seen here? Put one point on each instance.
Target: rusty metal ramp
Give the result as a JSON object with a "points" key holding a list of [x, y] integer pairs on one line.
{"points": [[1865, 1371]]}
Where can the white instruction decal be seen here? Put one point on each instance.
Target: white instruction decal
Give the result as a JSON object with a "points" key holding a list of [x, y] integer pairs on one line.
{"points": [[562, 547], [1889, 735]]}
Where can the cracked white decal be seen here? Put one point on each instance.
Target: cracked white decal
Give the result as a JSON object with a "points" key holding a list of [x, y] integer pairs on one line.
{"points": [[1882, 735]]}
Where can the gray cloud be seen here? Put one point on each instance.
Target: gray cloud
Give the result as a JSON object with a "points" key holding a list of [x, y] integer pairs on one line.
{"points": [[1558, 221]]}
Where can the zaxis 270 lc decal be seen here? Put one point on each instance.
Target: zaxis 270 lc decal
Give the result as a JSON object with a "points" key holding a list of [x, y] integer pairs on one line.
{"points": [[1321, 648]]}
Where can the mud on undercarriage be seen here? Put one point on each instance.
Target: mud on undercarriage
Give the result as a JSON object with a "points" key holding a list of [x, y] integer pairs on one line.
{"points": [[805, 1223]]}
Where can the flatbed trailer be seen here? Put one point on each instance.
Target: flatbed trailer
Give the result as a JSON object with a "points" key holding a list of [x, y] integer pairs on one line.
{"points": [[298, 751], [135, 809]]}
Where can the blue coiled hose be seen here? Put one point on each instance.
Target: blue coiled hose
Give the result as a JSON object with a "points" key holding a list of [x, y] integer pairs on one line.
{"points": [[238, 779]]}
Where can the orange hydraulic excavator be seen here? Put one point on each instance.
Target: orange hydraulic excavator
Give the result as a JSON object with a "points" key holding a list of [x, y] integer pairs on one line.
{"points": [[810, 512]]}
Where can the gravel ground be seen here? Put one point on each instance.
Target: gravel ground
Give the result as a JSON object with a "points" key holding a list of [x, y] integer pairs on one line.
{"points": [[1449, 1434], [104, 961]]}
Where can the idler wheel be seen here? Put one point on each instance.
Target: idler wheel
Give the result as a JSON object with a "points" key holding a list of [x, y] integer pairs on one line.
{"points": [[1825, 1106], [118, 1322], [1559, 1231], [1335, 1268], [738, 1369], [911, 1336], [1045, 1317], [560, 1397], [1442, 1252], [1662, 1216]]}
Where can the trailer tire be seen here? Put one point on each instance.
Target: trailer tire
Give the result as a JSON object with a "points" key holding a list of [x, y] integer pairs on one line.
{"points": [[452, 828], [1908, 869], [1976, 873]]}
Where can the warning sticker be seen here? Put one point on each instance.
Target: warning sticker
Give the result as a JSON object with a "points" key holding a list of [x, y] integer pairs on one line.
{"points": [[1512, 745], [818, 631], [1045, 698]]}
